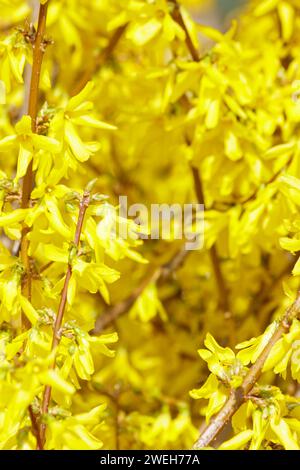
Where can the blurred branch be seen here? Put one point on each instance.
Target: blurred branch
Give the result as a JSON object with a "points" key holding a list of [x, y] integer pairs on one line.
{"points": [[264, 295], [100, 60], [214, 257], [223, 298], [38, 54], [35, 427], [30, 105], [155, 275], [177, 16]]}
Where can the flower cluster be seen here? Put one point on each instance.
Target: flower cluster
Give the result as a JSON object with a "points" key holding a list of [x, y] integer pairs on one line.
{"points": [[98, 332]]}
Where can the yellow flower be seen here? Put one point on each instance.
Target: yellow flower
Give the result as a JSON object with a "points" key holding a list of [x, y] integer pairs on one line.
{"points": [[28, 144]]}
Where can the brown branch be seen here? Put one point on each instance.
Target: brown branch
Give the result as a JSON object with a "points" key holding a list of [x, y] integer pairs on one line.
{"points": [[109, 49], [35, 427], [238, 396], [114, 312], [177, 16], [176, 261], [4, 28], [32, 80], [154, 275], [45, 267], [198, 187], [101, 59], [62, 306], [38, 53]]}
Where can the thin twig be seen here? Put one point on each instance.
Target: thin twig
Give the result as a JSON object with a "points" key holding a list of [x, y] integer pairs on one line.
{"points": [[177, 16], [238, 396], [32, 81], [101, 59], [45, 267], [35, 427], [38, 53], [154, 275], [62, 306], [6, 27]]}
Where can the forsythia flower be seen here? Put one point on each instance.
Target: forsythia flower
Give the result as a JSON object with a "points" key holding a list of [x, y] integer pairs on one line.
{"points": [[99, 323], [28, 144]]}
